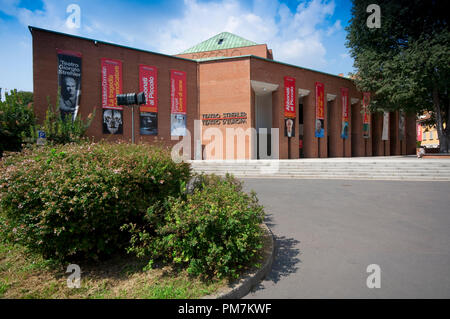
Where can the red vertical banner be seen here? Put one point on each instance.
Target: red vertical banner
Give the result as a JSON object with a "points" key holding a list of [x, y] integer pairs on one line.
{"points": [[366, 114], [148, 83], [366, 101], [178, 103], [289, 97], [320, 101], [178, 92], [320, 110], [344, 102], [111, 77], [111, 83], [419, 132]]}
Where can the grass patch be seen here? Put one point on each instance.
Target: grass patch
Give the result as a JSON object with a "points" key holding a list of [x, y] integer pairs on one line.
{"points": [[29, 276]]}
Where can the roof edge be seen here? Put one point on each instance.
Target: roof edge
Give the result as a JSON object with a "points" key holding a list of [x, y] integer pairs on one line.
{"points": [[31, 28], [274, 61], [244, 46]]}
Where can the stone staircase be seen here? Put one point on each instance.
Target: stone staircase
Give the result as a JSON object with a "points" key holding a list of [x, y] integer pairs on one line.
{"points": [[374, 168]]}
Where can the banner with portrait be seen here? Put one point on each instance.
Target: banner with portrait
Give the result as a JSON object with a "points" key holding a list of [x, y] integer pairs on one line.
{"points": [[148, 83], [385, 134], [366, 115], [69, 83], [320, 110], [344, 102], [111, 76], [178, 105], [289, 97], [289, 127]]}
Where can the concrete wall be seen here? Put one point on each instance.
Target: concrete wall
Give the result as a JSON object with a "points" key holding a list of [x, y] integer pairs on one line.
{"points": [[45, 81]]}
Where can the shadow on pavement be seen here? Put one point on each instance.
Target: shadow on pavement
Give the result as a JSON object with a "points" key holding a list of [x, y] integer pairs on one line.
{"points": [[286, 260]]}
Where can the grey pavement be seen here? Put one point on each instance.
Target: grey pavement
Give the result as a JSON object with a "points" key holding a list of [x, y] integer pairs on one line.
{"points": [[328, 231]]}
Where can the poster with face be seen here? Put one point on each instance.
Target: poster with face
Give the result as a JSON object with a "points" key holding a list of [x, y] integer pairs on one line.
{"points": [[178, 124], [320, 110], [112, 121], [319, 131], [178, 101], [344, 102], [148, 83], [289, 127], [366, 115], [69, 83], [111, 79], [149, 123]]}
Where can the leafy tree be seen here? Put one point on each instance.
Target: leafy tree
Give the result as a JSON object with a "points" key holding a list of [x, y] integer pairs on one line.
{"points": [[16, 118], [25, 96], [406, 62]]}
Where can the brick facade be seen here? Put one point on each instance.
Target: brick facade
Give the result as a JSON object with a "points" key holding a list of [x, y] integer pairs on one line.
{"points": [[219, 86]]}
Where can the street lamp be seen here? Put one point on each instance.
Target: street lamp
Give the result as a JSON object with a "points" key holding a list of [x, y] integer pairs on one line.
{"points": [[131, 100]]}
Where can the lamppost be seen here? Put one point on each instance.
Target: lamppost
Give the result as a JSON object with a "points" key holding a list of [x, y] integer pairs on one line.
{"points": [[132, 100]]}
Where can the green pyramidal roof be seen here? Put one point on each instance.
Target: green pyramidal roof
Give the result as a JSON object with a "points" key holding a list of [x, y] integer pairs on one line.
{"points": [[224, 40]]}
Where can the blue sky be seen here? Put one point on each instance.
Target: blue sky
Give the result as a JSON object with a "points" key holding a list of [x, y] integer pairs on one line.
{"points": [[305, 33]]}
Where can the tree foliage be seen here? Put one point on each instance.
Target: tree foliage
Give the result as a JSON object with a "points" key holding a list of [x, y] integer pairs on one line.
{"points": [[16, 118], [405, 62]]}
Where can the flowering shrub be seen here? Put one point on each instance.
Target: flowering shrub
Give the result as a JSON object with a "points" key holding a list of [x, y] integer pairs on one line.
{"points": [[215, 231], [71, 200]]}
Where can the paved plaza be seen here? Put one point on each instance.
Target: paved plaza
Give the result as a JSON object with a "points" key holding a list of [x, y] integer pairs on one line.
{"points": [[328, 231]]}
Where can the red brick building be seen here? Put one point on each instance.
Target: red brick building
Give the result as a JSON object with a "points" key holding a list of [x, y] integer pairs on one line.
{"points": [[229, 82]]}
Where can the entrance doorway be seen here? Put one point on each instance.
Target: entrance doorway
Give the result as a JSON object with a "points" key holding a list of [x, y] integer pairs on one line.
{"points": [[356, 128], [263, 123], [263, 118], [300, 126]]}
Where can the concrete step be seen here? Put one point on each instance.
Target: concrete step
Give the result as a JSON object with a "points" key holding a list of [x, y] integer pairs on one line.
{"points": [[437, 170], [256, 173], [397, 168], [358, 177], [326, 166]]}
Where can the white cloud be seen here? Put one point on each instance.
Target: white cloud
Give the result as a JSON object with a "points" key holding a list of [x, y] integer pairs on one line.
{"points": [[296, 36], [333, 29]]}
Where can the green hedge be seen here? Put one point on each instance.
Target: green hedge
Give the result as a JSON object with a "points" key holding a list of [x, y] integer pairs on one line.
{"points": [[214, 232], [70, 201]]}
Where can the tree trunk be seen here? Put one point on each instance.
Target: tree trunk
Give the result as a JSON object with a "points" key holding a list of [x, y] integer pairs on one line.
{"points": [[443, 135]]}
